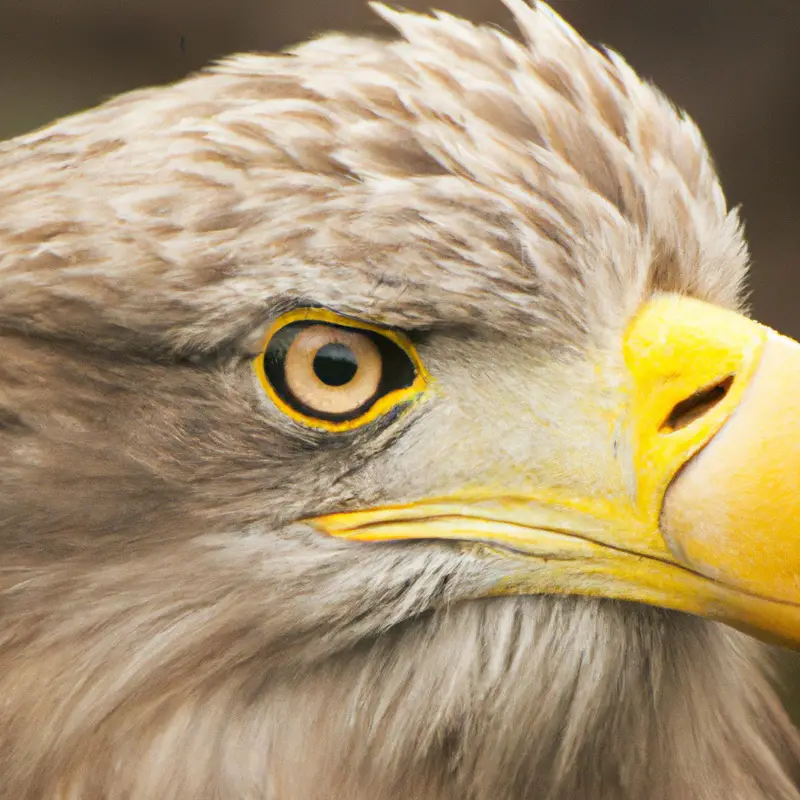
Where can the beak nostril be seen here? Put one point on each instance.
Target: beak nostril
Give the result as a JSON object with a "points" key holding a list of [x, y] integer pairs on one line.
{"points": [[690, 409]]}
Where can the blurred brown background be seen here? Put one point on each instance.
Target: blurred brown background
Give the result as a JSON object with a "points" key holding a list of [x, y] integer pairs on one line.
{"points": [[733, 64]]}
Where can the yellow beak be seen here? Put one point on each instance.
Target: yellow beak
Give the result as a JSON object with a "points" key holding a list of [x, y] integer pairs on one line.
{"points": [[711, 525]]}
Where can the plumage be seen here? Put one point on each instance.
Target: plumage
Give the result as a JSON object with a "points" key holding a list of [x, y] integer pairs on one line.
{"points": [[169, 625]]}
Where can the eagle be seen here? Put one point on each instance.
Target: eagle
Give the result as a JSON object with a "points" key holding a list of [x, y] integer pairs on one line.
{"points": [[382, 420]]}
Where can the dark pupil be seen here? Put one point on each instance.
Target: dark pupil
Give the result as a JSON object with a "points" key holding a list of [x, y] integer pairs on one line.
{"points": [[335, 364]]}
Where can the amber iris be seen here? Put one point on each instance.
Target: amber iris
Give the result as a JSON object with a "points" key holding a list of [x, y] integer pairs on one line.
{"points": [[331, 372]]}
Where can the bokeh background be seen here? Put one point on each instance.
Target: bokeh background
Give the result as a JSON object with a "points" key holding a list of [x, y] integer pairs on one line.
{"points": [[733, 64]]}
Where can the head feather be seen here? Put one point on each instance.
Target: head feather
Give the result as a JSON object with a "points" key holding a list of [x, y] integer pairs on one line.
{"points": [[453, 175]]}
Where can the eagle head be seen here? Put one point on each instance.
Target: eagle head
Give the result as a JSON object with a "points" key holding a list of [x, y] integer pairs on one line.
{"points": [[381, 420]]}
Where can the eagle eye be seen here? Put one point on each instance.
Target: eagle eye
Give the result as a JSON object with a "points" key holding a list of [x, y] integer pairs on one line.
{"points": [[331, 372]]}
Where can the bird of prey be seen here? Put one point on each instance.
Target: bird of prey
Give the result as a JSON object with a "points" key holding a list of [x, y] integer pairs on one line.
{"points": [[381, 420]]}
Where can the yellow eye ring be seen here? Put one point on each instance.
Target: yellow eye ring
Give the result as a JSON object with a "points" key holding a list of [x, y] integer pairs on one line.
{"points": [[334, 373]]}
